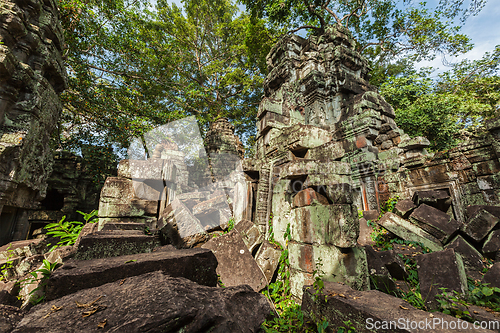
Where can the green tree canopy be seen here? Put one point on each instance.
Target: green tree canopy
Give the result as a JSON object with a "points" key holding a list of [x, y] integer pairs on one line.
{"points": [[133, 67], [459, 100], [385, 30]]}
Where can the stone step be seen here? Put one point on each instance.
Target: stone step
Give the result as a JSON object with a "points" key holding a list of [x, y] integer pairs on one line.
{"points": [[197, 265], [123, 226], [113, 243]]}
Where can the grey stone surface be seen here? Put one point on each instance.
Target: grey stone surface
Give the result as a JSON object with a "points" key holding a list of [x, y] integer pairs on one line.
{"points": [[236, 264], [443, 269], [151, 302], [197, 265]]}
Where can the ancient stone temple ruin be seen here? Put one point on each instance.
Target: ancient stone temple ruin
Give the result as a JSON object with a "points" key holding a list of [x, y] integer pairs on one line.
{"points": [[185, 214], [32, 74], [327, 147]]}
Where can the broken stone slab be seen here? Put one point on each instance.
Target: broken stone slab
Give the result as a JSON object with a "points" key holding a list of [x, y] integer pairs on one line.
{"points": [[199, 195], [443, 269], [309, 197], [113, 243], [374, 311], [333, 224], [408, 231], [492, 276], [435, 222], [210, 206], [375, 265], [197, 265], [491, 245], [268, 257], [480, 224], [236, 264], [404, 208], [393, 263], [383, 262], [180, 227], [439, 199], [473, 260], [152, 302], [250, 234]]}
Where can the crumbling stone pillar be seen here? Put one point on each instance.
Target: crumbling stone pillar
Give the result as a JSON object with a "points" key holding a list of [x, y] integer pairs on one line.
{"points": [[32, 74]]}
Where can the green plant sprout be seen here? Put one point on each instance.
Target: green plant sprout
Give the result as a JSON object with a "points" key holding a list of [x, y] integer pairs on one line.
{"points": [[68, 231]]}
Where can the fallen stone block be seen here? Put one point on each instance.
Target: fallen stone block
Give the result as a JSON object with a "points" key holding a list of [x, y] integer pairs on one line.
{"points": [[443, 269], [473, 260], [333, 224], [211, 206], [492, 276], [268, 257], [197, 265], [473, 209], [309, 197], [180, 227], [439, 199], [236, 264], [373, 311], [393, 263], [408, 231], [491, 245], [480, 224], [375, 265], [151, 302], [404, 208], [384, 263], [435, 222], [250, 234], [114, 243]]}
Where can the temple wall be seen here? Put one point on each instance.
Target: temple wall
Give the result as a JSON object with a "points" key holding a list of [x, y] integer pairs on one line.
{"points": [[32, 75]]}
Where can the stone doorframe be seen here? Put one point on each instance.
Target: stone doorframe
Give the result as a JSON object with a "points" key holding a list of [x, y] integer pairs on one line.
{"points": [[455, 194]]}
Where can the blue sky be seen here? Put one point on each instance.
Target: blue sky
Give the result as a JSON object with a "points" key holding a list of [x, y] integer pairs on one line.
{"points": [[483, 29]]}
